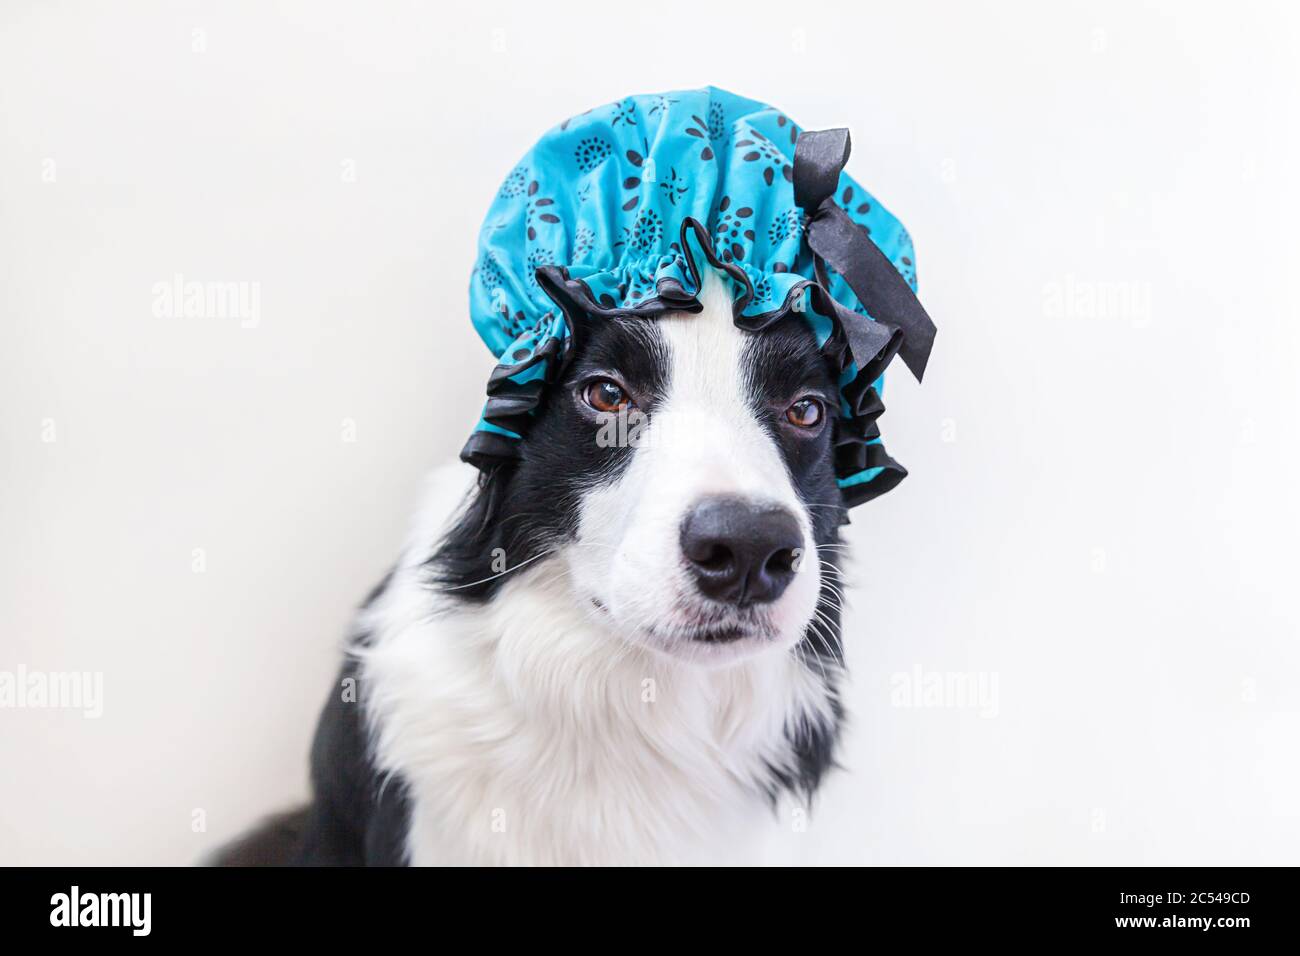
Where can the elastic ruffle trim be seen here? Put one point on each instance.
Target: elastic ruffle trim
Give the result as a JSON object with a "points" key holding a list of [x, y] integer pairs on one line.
{"points": [[857, 348]]}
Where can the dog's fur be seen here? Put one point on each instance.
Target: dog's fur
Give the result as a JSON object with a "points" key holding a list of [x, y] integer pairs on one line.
{"points": [[538, 681]]}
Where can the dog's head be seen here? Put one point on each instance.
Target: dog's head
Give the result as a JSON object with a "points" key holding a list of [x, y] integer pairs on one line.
{"points": [[682, 474]]}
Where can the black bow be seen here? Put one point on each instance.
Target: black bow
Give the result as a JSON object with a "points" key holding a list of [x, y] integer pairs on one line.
{"points": [[819, 157]]}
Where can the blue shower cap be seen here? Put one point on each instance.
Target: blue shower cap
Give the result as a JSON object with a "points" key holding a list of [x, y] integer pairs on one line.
{"points": [[615, 213]]}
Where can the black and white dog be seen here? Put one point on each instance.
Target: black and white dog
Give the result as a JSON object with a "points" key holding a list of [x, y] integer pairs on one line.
{"points": [[615, 651]]}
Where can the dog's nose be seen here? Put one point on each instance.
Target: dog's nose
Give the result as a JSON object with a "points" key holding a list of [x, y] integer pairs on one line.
{"points": [[739, 552]]}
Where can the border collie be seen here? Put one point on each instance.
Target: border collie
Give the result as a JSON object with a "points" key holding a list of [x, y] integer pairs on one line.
{"points": [[622, 649]]}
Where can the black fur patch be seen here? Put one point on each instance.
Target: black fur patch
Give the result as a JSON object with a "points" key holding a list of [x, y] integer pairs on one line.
{"points": [[357, 817], [526, 508]]}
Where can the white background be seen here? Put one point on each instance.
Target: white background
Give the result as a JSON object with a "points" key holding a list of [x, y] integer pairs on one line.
{"points": [[1101, 513]]}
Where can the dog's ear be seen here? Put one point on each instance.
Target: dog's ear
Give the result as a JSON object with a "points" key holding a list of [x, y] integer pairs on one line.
{"points": [[581, 324], [465, 553], [486, 499]]}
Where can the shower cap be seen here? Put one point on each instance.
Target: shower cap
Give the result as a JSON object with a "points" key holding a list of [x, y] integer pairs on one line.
{"points": [[615, 213]]}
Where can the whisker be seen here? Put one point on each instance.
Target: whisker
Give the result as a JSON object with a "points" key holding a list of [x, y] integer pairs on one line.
{"points": [[536, 557]]}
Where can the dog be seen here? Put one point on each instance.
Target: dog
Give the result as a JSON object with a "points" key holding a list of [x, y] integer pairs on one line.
{"points": [[625, 647]]}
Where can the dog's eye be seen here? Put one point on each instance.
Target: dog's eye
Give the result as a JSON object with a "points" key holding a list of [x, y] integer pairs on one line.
{"points": [[605, 395], [806, 413]]}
